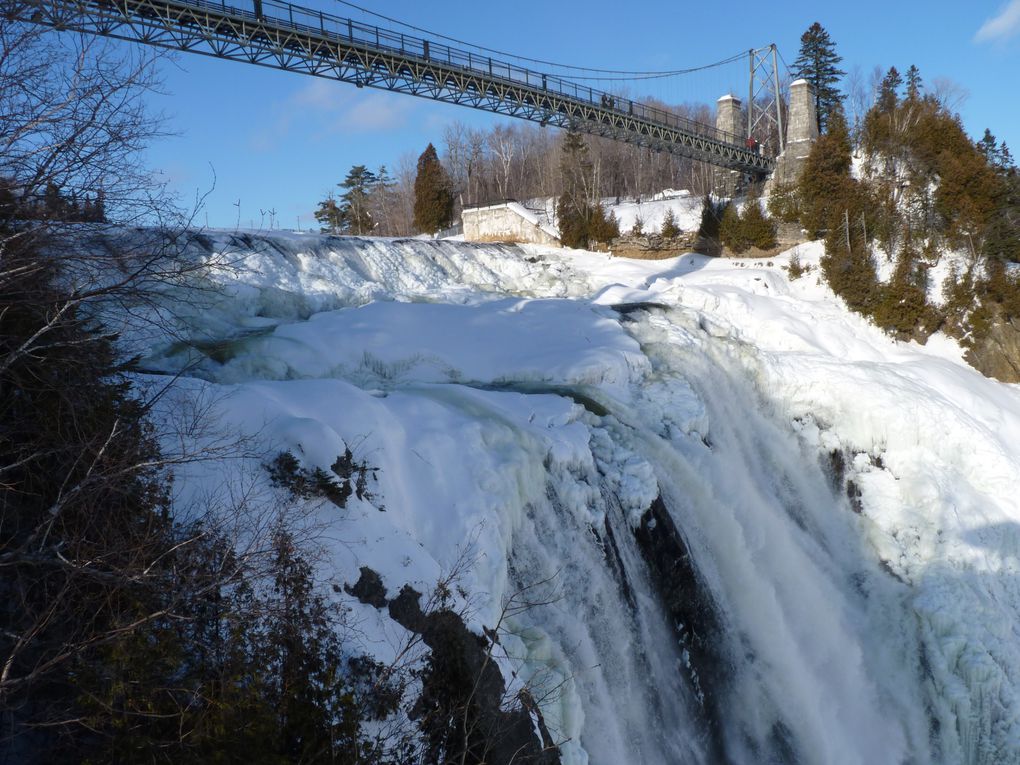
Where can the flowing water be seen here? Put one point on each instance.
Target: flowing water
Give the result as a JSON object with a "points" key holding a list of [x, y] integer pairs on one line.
{"points": [[806, 651]]}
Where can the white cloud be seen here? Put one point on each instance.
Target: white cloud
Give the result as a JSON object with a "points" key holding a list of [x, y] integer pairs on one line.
{"points": [[318, 94], [375, 111], [1001, 27], [324, 108]]}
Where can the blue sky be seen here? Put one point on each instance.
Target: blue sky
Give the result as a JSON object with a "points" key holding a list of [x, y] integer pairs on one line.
{"points": [[267, 140]]}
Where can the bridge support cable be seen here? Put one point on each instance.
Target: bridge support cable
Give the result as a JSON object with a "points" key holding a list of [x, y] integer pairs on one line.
{"points": [[765, 100], [284, 36]]}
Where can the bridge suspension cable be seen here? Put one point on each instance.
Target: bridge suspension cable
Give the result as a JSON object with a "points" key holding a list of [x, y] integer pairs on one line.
{"points": [[282, 35], [622, 73]]}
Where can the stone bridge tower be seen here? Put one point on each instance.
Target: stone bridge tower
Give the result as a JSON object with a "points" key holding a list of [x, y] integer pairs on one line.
{"points": [[801, 134], [729, 124]]}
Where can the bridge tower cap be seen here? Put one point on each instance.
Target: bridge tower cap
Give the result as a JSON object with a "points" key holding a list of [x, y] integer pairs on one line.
{"points": [[728, 97]]}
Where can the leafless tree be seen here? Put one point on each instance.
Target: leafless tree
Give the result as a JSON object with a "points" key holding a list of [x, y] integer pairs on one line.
{"points": [[503, 148], [85, 528], [950, 94]]}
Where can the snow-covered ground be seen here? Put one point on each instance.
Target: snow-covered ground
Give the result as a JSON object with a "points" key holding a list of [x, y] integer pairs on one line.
{"points": [[521, 403], [652, 212]]}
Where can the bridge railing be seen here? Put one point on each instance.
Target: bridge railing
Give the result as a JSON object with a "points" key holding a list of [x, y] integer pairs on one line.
{"points": [[311, 21]]}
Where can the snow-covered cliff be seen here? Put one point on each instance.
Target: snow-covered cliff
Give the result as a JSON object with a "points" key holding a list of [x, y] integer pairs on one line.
{"points": [[841, 509]]}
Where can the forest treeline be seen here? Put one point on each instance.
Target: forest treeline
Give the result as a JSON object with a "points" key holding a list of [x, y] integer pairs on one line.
{"points": [[906, 189], [518, 161]]}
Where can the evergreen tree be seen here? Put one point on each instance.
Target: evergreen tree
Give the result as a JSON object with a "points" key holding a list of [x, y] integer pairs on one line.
{"points": [[711, 221], [996, 154], [602, 226], [575, 168], [386, 203], [83, 508], [818, 63], [582, 219], [355, 212], [914, 85], [670, 229], [302, 657], [889, 90], [1004, 159], [901, 306], [573, 209], [1002, 236], [329, 215], [749, 228], [99, 207], [825, 189], [433, 193], [988, 146], [54, 207]]}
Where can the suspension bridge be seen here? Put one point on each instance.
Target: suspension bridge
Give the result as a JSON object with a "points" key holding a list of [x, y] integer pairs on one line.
{"points": [[285, 36]]}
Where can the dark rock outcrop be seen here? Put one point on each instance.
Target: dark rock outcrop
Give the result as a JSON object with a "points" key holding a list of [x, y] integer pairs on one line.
{"points": [[689, 606], [464, 709], [368, 589]]}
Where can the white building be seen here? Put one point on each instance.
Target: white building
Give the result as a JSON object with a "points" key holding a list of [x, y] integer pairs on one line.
{"points": [[507, 222]]}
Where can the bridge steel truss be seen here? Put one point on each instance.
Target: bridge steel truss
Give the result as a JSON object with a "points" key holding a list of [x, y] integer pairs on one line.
{"points": [[284, 36]]}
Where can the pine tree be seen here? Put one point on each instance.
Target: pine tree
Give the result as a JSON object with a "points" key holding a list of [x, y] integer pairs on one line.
{"points": [[818, 63], [914, 85], [384, 202], [433, 193], [99, 207], [602, 226], [988, 146], [670, 229], [825, 189], [329, 215], [575, 169], [355, 213], [301, 655], [83, 509], [54, 207], [889, 90], [749, 228], [711, 221], [1004, 159], [573, 210]]}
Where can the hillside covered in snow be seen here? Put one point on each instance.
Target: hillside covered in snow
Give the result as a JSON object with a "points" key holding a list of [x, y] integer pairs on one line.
{"points": [[760, 529]]}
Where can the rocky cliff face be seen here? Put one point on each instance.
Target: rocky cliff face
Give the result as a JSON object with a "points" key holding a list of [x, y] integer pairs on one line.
{"points": [[998, 353]]}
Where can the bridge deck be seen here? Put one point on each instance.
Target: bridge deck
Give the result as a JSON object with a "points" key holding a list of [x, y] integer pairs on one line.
{"points": [[286, 36]]}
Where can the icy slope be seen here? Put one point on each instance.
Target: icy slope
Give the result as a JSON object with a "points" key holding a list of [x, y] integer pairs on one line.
{"points": [[526, 406]]}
